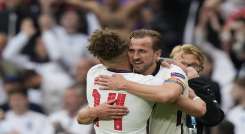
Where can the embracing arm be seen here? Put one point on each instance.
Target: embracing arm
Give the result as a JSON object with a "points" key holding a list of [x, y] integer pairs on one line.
{"points": [[195, 107], [87, 115], [165, 93], [105, 111]]}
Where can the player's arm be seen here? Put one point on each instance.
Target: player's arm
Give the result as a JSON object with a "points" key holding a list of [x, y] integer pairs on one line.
{"points": [[165, 93], [105, 111], [133, 6], [87, 115], [194, 105]]}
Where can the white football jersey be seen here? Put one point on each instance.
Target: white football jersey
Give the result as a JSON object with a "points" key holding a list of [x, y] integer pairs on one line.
{"points": [[139, 109], [164, 116]]}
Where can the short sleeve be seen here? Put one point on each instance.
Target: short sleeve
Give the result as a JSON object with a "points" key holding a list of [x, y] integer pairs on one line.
{"points": [[177, 73]]}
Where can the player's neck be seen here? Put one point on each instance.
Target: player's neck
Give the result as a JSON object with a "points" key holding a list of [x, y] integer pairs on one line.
{"points": [[119, 66], [118, 63], [151, 69]]}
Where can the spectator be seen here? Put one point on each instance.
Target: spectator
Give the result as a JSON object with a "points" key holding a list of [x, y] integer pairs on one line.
{"points": [[3, 41], [73, 100], [232, 37], [226, 127], [236, 115], [23, 121], [230, 6], [11, 84], [81, 72], [52, 79], [71, 44], [52, 85], [220, 60], [112, 14], [12, 16]]}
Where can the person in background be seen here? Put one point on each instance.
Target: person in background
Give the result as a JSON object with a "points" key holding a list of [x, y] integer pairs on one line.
{"points": [[237, 113], [81, 71], [73, 100], [193, 59], [21, 120], [69, 45], [11, 84], [12, 16], [225, 127], [40, 70], [3, 42]]}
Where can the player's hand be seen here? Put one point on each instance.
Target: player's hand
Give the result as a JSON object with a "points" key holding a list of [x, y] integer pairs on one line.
{"points": [[191, 73], [114, 82], [166, 62], [108, 111], [192, 94]]}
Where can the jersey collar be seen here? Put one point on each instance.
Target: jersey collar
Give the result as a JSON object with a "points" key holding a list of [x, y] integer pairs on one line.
{"points": [[156, 69], [119, 70]]}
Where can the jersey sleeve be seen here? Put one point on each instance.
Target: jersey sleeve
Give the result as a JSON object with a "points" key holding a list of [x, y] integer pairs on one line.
{"points": [[176, 72], [89, 84]]}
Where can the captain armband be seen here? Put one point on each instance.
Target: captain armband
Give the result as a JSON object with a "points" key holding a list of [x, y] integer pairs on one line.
{"points": [[177, 81]]}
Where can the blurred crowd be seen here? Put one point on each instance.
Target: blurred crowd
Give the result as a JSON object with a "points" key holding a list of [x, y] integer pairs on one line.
{"points": [[44, 59]]}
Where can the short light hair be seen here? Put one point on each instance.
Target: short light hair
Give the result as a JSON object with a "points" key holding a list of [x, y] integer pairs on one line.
{"points": [[189, 49], [154, 35]]}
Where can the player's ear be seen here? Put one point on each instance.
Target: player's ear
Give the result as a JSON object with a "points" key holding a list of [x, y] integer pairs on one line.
{"points": [[158, 53]]}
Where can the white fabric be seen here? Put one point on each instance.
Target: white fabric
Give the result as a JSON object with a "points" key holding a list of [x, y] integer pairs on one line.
{"points": [[237, 117], [54, 84], [230, 6], [173, 71], [12, 52], [227, 100], [70, 123], [54, 79], [93, 22], [190, 23], [29, 123], [69, 48], [135, 121], [164, 116], [223, 70]]}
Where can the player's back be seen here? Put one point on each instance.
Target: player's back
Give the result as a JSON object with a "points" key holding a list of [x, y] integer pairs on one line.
{"points": [[139, 109]]}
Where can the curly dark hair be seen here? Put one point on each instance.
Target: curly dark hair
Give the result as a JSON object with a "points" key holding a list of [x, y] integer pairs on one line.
{"points": [[106, 44]]}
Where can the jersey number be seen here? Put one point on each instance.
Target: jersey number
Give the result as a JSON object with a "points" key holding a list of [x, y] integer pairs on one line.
{"points": [[111, 96]]}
